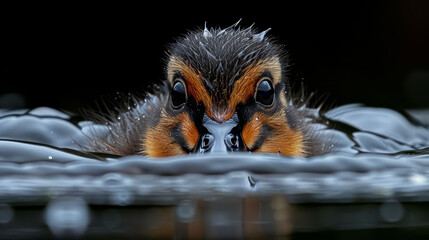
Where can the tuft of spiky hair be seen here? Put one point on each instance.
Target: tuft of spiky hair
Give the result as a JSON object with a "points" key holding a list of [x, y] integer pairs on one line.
{"points": [[222, 55], [119, 131]]}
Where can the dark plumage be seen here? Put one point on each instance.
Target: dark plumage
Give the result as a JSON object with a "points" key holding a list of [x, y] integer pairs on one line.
{"points": [[221, 55], [225, 90]]}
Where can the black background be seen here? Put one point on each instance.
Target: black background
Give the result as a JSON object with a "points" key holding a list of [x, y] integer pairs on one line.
{"points": [[70, 57]]}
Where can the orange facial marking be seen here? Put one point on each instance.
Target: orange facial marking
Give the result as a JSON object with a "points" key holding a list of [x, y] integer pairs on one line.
{"points": [[242, 90], [244, 87], [158, 141], [252, 130], [283, 139], [193, 80], [189, 130]]}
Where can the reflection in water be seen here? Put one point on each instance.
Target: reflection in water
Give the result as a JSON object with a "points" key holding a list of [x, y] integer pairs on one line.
{"points": [[377, 176], [67, 217], [6, 213]]}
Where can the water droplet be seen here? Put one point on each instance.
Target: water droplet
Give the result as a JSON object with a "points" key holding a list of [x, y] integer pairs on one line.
{"points": [[49, 157], [256, 118], [119, 117]]}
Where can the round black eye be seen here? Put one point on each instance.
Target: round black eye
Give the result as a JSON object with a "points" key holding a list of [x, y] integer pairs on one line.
{"points": [[178, 94], [265, 93]]}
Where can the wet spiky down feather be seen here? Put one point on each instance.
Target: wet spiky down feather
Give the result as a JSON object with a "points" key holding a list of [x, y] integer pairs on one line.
{"points": [[222, 55]]}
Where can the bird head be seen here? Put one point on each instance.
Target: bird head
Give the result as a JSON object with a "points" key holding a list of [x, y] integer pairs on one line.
{"points": [[225, 90]]}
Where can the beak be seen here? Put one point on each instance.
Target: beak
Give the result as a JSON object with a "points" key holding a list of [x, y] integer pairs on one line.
{"points": [[220, 137]]}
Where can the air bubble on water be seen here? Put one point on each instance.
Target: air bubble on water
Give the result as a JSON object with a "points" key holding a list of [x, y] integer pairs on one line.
{"points": [[67, 217]]}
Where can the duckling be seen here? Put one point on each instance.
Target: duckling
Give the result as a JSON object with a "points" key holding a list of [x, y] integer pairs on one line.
{"points": [[225, 90]]}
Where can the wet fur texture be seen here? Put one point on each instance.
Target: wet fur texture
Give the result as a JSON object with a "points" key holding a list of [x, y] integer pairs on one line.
{"points": [[121, 134], [222, 68]]}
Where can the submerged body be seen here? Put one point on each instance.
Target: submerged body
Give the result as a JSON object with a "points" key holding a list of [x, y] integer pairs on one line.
{"points": [[225, 90]]}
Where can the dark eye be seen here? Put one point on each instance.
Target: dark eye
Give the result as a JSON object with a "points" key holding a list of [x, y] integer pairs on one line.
{"points": [[178, 94], [265, 93]]}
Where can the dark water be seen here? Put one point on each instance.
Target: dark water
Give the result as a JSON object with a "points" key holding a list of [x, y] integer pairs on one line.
{"points": [[375, 178]]}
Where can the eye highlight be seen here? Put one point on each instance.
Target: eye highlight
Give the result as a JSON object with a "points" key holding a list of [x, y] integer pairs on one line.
{"points": [[265, 92], [178, 94]]}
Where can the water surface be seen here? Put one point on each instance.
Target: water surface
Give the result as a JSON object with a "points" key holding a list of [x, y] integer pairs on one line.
{"points": [[378, 156]]}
